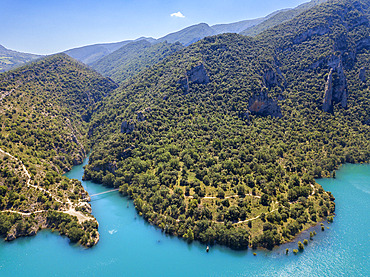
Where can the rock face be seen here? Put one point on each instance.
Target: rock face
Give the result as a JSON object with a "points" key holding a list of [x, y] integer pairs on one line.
{"points": [[319, 30], [362, 75], [270, 79], [336, 89], [328, 95], [127, 127], [196, 75], [262, 104]]}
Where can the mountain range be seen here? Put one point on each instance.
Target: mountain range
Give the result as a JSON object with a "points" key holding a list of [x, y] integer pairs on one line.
{"points": [[10, 59], [91, 54]]}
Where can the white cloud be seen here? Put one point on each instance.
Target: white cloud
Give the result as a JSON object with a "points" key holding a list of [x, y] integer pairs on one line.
{"points": [[178, 14]]}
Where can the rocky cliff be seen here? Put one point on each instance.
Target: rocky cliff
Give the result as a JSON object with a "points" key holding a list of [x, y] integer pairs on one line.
{"points": [[127, 127], [197, 75], [336, 86], [362, 74], [263, 105]]}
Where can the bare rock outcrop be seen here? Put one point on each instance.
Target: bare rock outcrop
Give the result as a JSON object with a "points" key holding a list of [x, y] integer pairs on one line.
{"points": [[328, 95], [362, 74], [127, 127], [197, 75], [336, 88], [319, 30], [263, 105]]}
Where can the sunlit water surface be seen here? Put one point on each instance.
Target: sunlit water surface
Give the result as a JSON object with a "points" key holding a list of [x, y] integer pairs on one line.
{"points": [[130, 247]]}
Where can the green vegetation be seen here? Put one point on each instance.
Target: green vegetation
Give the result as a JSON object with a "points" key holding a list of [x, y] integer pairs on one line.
{"points": [[186, 140], [300, 246], [196, 162], [133, 58], [10, 59], [44, 109], [279, 18]]}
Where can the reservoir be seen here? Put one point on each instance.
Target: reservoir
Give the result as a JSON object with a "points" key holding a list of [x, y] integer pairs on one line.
{"points": [[129, 246]]}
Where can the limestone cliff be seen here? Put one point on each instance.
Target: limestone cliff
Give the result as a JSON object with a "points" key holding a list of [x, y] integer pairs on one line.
{"points": [[336, 86], [197, 75], [328, 95], [127, 127], [262, 104], [362, 74]]}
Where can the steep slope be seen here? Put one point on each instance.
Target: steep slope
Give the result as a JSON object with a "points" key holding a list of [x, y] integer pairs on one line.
{"points": [[222, 141], [279, 18], [132, 58], [240, 26], [190, 34], [92, 53], [10, 59], [43, 105]]}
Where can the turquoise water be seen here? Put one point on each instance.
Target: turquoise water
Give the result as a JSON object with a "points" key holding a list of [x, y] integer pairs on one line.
{"points": [[130, 247]]}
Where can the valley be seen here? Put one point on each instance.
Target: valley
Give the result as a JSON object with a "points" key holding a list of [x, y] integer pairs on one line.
{"points": [[216, 137]]}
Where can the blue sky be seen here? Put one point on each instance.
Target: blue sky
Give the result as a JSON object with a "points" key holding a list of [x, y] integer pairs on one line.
{"points": [[50, 26]]}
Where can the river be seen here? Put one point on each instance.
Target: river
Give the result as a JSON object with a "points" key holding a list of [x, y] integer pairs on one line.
{"points": [[130, 247]]}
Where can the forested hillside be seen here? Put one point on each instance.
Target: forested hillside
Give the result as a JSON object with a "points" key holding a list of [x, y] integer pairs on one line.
{"points": [[44, 109], [10, 59], [133, 58], [279, 18], [221, 142], [92, 53]]}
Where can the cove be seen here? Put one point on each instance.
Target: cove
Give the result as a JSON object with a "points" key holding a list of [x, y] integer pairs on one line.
{"points": [[130, 247]]}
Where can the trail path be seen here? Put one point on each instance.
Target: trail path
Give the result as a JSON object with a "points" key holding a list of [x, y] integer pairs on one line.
{"points": [[22, 213], [226, 197], [71, 211], [254, 218]]}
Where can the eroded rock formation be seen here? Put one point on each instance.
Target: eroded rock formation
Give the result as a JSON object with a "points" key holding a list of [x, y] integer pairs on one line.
{"points": [[262, 104], [362, 74], [127, 127], [336, 87], [197, 74]]}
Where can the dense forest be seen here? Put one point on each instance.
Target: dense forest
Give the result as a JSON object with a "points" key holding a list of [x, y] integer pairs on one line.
{"points": [[44, 109], [222, 141], [133, 58]]}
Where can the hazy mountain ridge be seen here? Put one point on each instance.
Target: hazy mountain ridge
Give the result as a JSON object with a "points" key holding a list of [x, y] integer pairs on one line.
{"points": [[133, 58], [92, 53], [279, 18], [10, 59], [114, 62]]}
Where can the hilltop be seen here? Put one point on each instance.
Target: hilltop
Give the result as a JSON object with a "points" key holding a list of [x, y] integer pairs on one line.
{"points": [[133, 58], [44, 109], [10, 59]]}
